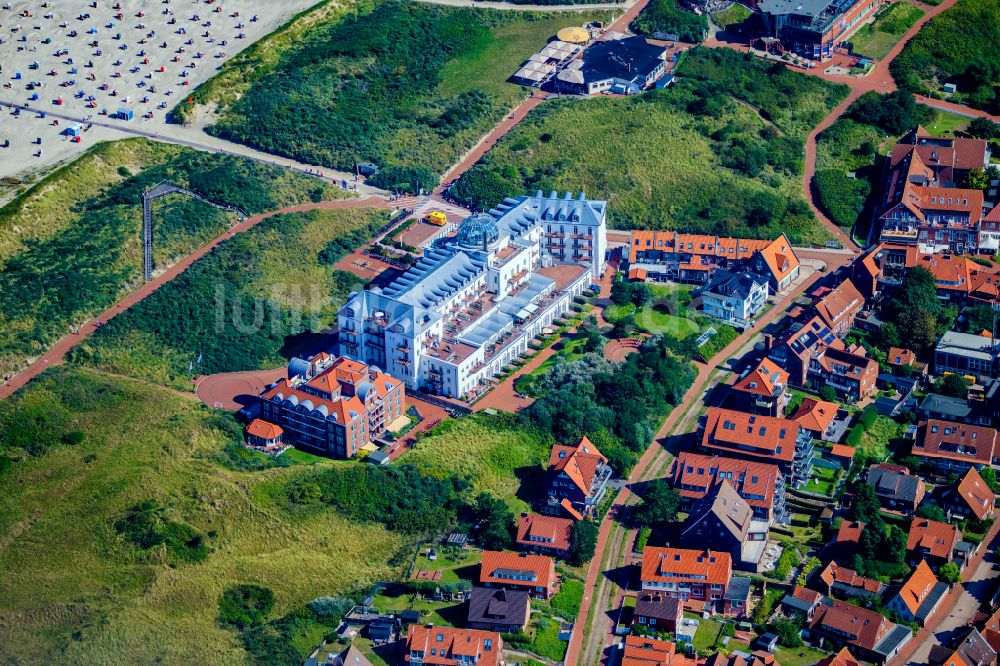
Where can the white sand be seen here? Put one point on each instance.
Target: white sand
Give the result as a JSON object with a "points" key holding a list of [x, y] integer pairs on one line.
{"points": [[122, 70]]}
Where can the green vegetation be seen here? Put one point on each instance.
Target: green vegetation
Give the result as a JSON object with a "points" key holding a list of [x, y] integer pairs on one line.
{"points": [[72, 244], [665, 16], [582, 542], [145, 527], [895, 113], [719, 152], [566, 603], [248, 305], [823, 481], [77, 587], [957, 47], [882, 547], [245, 605], [348, 88], [876, 39], [707, 634], [542, 639], [845, 149], [735, 15], [660, 504], [788, 560]]}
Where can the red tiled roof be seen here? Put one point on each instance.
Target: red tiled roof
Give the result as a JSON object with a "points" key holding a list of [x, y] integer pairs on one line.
{"points": [[638, 274], [641, 651], [956, 441], [763, 379], [570, 509], [264, 429], [544, 531], [578, 462], [842, 303], [834, 573], [771, 437], [857, 626], [694, 474], [842, 658], [779, 257], [541, 567], [917, 587], [849, 532], [341, 408], [938, 539], [976, 493], [901, 356], [842, 451], [806, 595], [678, 564], [454, 646], [815, 415]]}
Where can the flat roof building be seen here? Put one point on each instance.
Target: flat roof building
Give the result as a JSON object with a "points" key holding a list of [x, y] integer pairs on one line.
{"points": [[624, 66], [814, 28]]}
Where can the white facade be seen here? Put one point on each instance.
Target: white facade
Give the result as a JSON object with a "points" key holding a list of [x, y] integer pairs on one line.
{"points": [[471, 306], [736, 301]]}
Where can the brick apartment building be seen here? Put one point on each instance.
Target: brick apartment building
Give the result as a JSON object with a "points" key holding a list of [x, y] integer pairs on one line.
{"points": [[759, 438]]}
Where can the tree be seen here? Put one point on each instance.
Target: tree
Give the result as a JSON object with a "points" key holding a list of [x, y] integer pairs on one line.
{"points": [[978, 179], [983, 128], [589, 332], [949, 573], [582, 542], [828, 393], [978, 318], [789, 630], [953, 385], [641, 294], [659, 505], [245, 605], [920, 329], [990, 477], [496, 522], [932, 512], [865, 505]]}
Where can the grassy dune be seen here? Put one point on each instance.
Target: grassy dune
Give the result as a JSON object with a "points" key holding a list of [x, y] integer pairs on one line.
{"points": [[74, 591]]}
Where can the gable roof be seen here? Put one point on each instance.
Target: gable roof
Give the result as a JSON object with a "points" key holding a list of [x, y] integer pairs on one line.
{"points": [[922, 591], [780, 257], [890, 482], [264, 429], [815, 415], [974, 650], [935, 538], [843, 302], [842, 658], [694, 474], [579, 462], [974, 491], [485, 648], [730, 510], [836, 574], [849, 531], [499, 605], [750, 434], [956, 441], [521, 569], [642, 651], [901, 356], [678, 564], [853, 624], [545, 531], [658, 605], [765, 379]]}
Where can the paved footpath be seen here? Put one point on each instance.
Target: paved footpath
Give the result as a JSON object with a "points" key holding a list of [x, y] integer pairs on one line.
{"points": [[58, 351]]}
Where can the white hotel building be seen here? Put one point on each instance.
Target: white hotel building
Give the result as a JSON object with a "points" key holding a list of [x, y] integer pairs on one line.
{"points": [[472, 304]]}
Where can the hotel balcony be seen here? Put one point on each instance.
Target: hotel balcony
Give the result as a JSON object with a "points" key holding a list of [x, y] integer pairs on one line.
{"points": [[404, 348]]}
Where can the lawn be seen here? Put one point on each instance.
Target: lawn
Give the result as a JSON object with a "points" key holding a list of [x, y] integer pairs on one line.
{"points": [[958, 46], [801, 656], [407, 86], [822, 481], [735, 15], [72, 586], [440, 613], [496, 452], [654, 319], [566, 603], [257, 299], [454, 564], [707, 634], [947, 124], [876, 440], [568, 349], [690, 157], [876, 39], [72, 244]]}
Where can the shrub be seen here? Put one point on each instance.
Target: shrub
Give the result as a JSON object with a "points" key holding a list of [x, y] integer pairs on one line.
{"points": [[145, 527], [666, 17], [245, 605], [950, 573], [330, 609], [896, 112], [841, 197]]}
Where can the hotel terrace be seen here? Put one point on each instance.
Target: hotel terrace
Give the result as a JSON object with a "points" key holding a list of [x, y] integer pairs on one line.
{"points": [[472, 304]]}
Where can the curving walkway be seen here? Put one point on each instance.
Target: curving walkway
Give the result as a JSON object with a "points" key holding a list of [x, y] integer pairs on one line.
{"points": [[58, 351]]}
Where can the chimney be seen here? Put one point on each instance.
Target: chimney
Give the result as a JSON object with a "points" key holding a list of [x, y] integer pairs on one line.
{"points": [[768, 342]]}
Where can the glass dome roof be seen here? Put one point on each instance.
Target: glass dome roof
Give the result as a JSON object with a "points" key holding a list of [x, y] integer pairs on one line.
{"points": [[477, 231]]}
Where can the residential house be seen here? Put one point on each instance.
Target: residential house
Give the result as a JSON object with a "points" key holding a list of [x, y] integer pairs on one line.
{"points": [[352, 656], [738, 658], [548, 535], [622, 66], [932, 542], [970, 498], [840, 307], [866, 633], [955, 447], [814, 29], [947, 408], [658, 611], [972, 649], [801, 600], [845, 541], [761, 484], [760, 438], [642, 651], [736, 600], [991, 630], [850, 372], [842, 454], [535, 574], [447, 646], [966, 354], [895, 487], [334, 406], [502, 610], [920, 595], [842, 658], [845, 583], [816, 416], [723, 521], [696, 577], [735, 298], [762, 390], [691, 258], [900, 358], [578, 476]]}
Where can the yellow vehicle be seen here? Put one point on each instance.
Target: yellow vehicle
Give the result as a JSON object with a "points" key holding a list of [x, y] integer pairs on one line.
{"points": [[437, 218]]}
